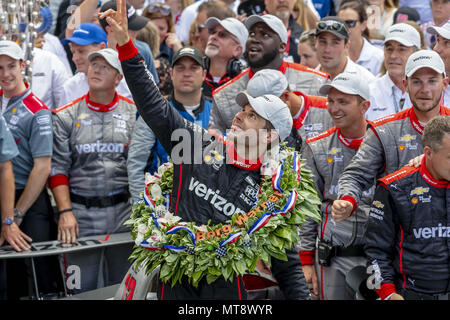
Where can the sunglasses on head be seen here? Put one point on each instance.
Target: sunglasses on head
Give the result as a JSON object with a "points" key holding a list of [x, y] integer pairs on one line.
{"points": [[330, 25], [199, 27], [161, 7], [351, 23]]}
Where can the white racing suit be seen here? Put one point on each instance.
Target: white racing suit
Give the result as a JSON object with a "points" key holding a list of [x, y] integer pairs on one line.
{"points": [[90, 155], [327, 154]]}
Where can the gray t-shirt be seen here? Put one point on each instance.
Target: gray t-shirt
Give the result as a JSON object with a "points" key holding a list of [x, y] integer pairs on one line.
{"points": [[30, 123], [8, 148]]}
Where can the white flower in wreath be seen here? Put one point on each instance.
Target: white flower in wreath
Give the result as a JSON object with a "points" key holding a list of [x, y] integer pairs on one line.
{"points": [[160, 211], [201, 228], [150, 179], [270, 167], [169, 219], [155, 238], [163, 168], [139, 238], [156, 192], [142, 228]]}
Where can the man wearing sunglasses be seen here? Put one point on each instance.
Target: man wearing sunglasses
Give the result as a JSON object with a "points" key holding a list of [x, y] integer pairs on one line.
{"points": [[207, 10], [332, 45], [225, 46], [265, 48], [361, 51]]}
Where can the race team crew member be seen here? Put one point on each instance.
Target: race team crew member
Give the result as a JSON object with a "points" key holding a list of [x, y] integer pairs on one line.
{"points": [[391, 142], [388, 94], [309, 113], [228, 179], [264, 50], [10, 232], [408, 227], [89, 174], [339, 244], [146, 153], [225, 46], [30, 123]]}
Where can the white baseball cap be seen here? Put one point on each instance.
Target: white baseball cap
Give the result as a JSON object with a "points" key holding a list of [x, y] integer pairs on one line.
{"points": [[267, 81], [270, 108], [443, 31], [424, 59], [404, 34], [233, 26], [111, 56], [272, 22], [349, 82], [11, 49]]}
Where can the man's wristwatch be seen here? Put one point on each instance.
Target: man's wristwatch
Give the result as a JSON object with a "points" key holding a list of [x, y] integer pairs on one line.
{"points": [[8, 221], [18, 214]]}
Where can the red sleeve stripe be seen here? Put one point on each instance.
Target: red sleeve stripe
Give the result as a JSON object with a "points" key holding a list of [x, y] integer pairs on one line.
{"points": [[385, 290], [307, 257], [58, 180], [127, 51], [352, 200]]}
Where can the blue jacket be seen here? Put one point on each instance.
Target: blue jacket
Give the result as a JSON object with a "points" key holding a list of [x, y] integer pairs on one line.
{"points": [[159, 155]]}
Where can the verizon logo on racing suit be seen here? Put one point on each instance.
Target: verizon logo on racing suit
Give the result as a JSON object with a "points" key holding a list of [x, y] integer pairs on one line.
{"points": [[432, 232], [100, 147], [220, 203]]}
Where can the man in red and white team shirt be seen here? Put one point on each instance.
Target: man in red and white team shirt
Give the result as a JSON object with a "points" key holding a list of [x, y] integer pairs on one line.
{"points": [[391, 142], [330, 250], [89, 173]]}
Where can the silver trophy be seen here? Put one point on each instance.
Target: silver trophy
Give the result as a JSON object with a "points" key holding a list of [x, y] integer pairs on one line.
{"points": [[22, 21]]}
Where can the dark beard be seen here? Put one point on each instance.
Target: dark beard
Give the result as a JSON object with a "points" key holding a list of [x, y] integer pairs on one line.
{"points": [[264, 61]]}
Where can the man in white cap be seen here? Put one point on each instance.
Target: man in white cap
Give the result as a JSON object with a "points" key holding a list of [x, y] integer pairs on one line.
{"points": [[224, 48], [309, 113], [391, 142], [267, 117], [89, 173], [30, 123], [442, 47], [264, 50], [388, 93], [327, 155]]}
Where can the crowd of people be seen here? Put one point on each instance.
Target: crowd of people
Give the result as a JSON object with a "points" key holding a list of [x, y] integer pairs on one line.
{"points": [[359, 88]]}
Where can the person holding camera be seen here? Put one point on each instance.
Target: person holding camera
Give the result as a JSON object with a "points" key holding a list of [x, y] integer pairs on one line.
{"points": [[339, 244]]}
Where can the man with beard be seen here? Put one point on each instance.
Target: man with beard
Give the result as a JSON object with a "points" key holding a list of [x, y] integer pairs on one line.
{"points": [[283, 9], [265, 46], [225, 45], [391, 142]]}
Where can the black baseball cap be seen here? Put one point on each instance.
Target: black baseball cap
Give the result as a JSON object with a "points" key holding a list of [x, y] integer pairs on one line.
{"points": [[190, 52], [135, 21], [406, 13], [334, 25]]}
